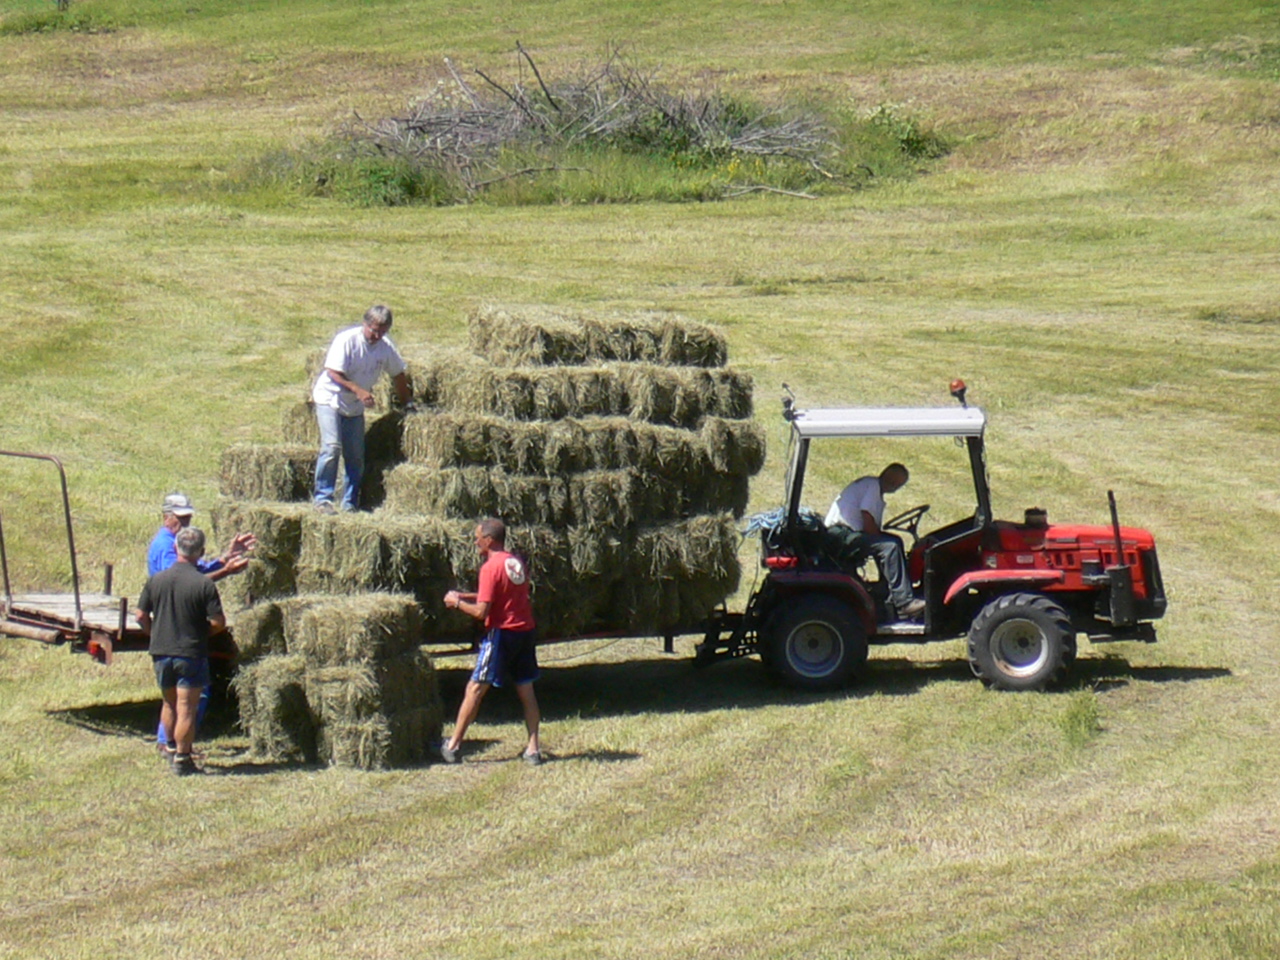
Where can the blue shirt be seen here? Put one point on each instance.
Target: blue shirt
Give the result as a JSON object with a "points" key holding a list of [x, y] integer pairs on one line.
{"points": [[163, 554]]}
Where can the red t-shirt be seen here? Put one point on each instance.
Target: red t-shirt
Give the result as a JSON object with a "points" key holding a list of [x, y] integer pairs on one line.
{"points": [[504, 585]]}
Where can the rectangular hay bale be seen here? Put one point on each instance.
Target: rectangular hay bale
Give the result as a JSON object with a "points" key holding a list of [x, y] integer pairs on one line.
{"points": [[283, 472], [371, 627], [542, 336], [274, 710]]}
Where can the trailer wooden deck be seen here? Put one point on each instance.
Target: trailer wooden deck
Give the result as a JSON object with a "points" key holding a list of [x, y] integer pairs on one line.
{"points": [[106, 624]]}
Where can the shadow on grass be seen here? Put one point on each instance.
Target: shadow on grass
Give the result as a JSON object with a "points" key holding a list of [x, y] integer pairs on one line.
{"points": [[673, 684], [644, 685], [138, 718], [1113, 673]]}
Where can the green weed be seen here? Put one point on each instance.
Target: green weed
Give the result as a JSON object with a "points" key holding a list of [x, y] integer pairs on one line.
{"points": [[1081, 721]]}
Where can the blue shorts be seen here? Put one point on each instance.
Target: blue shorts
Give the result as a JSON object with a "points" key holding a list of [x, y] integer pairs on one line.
{"points": [[182, 672], [506, 656]]}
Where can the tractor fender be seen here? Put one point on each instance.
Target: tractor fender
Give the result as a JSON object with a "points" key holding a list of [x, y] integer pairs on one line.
{"points": [[787, 584], [987, 578]]}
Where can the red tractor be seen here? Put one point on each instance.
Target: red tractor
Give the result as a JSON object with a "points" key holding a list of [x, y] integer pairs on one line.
{"points": [[1020, 591]]}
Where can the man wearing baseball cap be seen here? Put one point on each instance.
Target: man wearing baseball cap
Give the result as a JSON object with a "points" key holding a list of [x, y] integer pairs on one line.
{"points": [[175, 513]]}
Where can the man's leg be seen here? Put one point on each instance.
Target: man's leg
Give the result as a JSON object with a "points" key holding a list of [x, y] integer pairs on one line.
{"points": [[168, 716], [468, 712], [532, 717], [167, 681], [184, 731], [327, 461], [887, 550], [352, 432]]}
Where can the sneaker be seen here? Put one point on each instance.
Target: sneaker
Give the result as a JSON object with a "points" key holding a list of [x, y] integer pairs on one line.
{"points": [[166, 752], [912, 610], [325, 507], [533, 759], [450, 755], [184, 766]]}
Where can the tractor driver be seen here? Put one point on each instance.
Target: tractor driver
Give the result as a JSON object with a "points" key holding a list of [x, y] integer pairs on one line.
{"points": [[853, 522]]}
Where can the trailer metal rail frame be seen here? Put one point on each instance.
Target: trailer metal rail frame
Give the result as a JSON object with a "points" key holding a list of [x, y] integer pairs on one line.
{"points": [[98, 624]]}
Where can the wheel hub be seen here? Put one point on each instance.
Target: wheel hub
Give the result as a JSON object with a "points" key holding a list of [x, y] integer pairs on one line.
{"points": [[1019, 648], [814, 649]]}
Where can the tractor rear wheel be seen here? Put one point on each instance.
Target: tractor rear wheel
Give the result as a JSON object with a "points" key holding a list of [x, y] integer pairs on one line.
{"points": [[1021, 641], [815, 643]]}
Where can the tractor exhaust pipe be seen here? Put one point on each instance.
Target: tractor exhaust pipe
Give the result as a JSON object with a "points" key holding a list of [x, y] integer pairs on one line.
{"points": [[1123, 613]]}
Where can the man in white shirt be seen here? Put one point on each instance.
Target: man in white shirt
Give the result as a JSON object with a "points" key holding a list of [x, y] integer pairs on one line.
{"points": [[356, 358], [854, 522]]}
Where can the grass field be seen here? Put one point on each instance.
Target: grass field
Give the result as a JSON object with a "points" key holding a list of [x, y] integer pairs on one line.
{"points": [[1097, 257]]}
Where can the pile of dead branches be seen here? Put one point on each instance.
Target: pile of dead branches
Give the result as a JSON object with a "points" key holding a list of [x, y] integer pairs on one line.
{"points": [[466, 129]]}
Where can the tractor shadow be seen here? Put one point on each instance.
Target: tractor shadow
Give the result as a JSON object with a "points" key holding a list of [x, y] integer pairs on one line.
{"points": [[671, 683]]}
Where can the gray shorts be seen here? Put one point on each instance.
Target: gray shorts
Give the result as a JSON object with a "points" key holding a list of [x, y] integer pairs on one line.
{"points": [[182, 672]]}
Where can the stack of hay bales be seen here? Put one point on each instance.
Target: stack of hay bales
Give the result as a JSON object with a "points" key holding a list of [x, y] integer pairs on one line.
{"points": [[617, 449], [338, 679]]}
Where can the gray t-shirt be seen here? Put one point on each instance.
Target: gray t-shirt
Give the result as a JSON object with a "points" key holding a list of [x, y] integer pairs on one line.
{"points": [[181, 601]]}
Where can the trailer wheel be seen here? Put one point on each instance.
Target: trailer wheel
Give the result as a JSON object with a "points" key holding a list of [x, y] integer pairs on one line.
{"points": [[815, 643], [1021, 641]]}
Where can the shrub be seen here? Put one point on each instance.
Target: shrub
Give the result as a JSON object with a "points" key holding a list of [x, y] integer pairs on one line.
{"points": [[612, 135]]}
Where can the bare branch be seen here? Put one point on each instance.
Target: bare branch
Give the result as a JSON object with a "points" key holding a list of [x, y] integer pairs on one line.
{"points": [[533, 66], [760, 188], [554, 168]]}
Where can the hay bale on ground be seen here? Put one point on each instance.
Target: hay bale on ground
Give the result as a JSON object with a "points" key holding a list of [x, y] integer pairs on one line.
{"points": [[356, 691], [538, 336], [274, 710], [268, 471], [380, 741]]}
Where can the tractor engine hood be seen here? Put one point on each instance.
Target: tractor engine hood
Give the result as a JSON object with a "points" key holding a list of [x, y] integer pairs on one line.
{"points": [[1070, 536]]}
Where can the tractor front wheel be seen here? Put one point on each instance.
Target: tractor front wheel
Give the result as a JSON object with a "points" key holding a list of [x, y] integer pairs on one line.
{"points": [[1022, 641], [815, 643]]}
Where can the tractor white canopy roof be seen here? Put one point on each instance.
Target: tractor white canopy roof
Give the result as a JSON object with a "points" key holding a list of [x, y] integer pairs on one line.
{"points": [[890, 422]]}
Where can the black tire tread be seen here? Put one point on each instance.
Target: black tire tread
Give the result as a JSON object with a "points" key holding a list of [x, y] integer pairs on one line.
{"points": [[996, 610], [816, 606]]}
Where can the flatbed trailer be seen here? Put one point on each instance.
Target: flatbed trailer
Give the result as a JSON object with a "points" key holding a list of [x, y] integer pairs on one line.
{"points": [[99, 624]]}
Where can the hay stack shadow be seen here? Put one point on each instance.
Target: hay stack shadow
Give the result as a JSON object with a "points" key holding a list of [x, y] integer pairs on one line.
{"points": [[619, 451]]}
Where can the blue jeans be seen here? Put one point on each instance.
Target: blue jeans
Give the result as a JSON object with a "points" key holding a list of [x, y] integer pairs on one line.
{"points": [[887, 551], [339, 436]]}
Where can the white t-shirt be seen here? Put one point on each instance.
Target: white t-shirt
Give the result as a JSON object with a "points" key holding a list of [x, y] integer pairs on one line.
{"points": [[862, 494], [359, 361]]}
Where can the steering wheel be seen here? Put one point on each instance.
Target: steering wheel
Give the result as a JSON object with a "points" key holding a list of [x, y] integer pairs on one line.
{"points": [[908, 521]]}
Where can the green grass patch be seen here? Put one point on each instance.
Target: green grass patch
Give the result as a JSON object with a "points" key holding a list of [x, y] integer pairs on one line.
{"points": [[75, 19]]}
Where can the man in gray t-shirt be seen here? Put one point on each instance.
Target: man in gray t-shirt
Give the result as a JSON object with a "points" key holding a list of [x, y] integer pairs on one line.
{"points": [[178, 609]]}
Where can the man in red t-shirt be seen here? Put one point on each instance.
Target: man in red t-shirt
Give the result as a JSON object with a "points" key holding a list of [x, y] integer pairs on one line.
{"points": [[507, 652]]}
